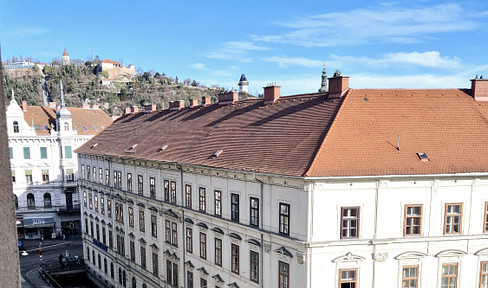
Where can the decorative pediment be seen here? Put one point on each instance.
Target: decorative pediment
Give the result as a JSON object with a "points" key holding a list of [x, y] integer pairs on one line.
{"points": [[152, 208], [218, 278], [130, 201], [482, 252], [410, 255], [91, 216], [140, 204], [254, 242], [349, 257], [218, 230], [189, 264], [189, 221], [103, 222], [142, 241], [117, 195], [233, 285], [235, 236], [170, 213], [96, 218], [131, 235], [26, 165], [69, 164], [283, 251], [154, 246], [450, 253], [84, 213], [203, 225], [203, 271], [109, 224], [43, 164]]}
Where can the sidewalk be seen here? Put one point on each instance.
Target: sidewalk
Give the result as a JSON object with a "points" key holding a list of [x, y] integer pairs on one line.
{"points": [[34, 280]]}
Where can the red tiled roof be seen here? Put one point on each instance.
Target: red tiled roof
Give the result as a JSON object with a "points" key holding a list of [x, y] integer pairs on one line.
{"points": [[276, 139], [88, 118], [448, 125], [110, 61]]}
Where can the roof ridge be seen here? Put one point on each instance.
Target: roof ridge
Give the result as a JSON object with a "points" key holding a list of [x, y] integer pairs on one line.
{"points": [[332, 125]]}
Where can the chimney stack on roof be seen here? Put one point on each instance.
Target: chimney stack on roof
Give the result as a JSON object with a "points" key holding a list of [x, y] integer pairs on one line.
{"points": [[338, 84], [176, 105], [206, 101], [133, 110], [228, 98], [193, 103], [149, 108], [271, 93], [24, 106], [479, 88], [127, 110]]}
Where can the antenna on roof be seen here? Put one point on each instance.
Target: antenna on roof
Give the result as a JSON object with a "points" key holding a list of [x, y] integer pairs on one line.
{"points": [[398, 143]]}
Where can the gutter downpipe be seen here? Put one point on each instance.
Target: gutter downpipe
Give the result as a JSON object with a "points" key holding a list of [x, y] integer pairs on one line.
{"points": [[375, 232], [182, 223], [261, 256]]}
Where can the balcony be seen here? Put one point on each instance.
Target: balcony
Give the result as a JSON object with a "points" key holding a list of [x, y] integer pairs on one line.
{"points": [[62, 209]]}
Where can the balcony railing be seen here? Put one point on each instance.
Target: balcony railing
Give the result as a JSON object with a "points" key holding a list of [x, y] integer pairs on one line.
{"points": [[47, 208]]}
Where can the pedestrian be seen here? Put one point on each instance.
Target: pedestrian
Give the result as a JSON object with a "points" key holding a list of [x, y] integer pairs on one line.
{"points": [[60, 259], [63, 236]]}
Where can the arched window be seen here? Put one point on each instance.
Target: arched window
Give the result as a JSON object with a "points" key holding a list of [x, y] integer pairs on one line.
{"points": [[120, 275], [99, 262], [105, 265], [47, 200], [66, 126], [123, 279], [112, 270], [16, 202], [134, 283], [16, 127], [31, 202]]}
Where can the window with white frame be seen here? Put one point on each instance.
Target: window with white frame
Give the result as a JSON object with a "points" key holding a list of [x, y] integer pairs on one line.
{"points": [[284, 219], [188, 196], [453, 218], [218, 203], [413, 220], [254, 213], [349, 222], [201, 199], [484, 274]]}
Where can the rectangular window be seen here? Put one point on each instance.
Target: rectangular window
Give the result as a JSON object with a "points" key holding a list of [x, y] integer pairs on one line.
{"points": [[143, 257], [203, 245], [234, 207], [166, 190], [142, 225], [152, 187], [254, 217], [189, 279], [11, 152], [82, 171], [202, 200], [102, 206], [218, 252], [90, 203], [45, 176], [140, 184], [154, 226], [254, 266], [172, 273], [132, 248], [110, 239], [175, 275], [167, 231], [97, 229], [13, 176], [88, 173], [129, 182], [94, 174], [96, 203], [119, 179], [84, 198], [349, 222], [100, 175], [114, 181], [189, 240], [413, 220], [218, 203], [484, 275], [203, 283], [285, 219], [67, 152], [173, 192], [449, 275], [109, 208], [131, 217], [70, 176], [26, 153], [155, 263], [104, 236], [107, 177], [28, 176], [119, 212], [43, 153], [453, 218], [410, 276], [174, 233], [485, 226], [234, 258], [348, 278], [188, 196]]}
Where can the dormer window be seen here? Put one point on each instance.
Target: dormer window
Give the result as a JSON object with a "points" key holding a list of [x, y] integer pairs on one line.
{"points": [[16, 127], [66, 126]]}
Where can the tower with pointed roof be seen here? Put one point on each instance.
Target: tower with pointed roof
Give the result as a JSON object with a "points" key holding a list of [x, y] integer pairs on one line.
{"points": [[65, 59], [64, 122], [323, 86], [243, 85]]}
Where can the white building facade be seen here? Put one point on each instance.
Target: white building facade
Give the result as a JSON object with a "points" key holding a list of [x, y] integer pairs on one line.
{"points": [[159, 210]]}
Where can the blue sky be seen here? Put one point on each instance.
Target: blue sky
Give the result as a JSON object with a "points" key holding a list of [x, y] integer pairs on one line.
{"points": [[403, 44]]}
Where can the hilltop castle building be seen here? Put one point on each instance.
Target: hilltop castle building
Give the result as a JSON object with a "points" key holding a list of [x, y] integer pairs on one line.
{"points": [[344, 188], [116, 71], [44, 167]]}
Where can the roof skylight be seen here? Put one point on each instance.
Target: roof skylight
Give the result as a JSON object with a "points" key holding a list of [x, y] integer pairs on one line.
{"points": [[423, 156], [217, 154]]}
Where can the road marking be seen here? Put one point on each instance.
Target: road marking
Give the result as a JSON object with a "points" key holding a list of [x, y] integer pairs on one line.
{"points": [[44, 247]]}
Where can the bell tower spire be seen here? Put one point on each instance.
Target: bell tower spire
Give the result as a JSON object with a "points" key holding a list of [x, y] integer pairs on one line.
{"points": [[323, 87]]}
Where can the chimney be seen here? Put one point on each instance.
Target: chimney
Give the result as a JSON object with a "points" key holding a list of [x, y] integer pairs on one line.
{"points": [[271, 93], [177, 105], [133, 110], [193, 103], [52, 105], [228, 98], [24, 106], [127, 111], [338, 84], [150, 108], [206, 101], [479, 89]]}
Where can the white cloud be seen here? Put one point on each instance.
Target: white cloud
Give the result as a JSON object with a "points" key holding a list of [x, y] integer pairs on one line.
{"points": [[29, 31], [381, 24], [429, 59], [284, 61], [236, 51], [198, 66]]}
